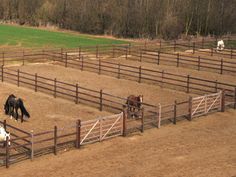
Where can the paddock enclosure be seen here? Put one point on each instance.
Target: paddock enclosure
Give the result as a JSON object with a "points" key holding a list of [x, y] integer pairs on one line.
{"points": [[92, 84]]}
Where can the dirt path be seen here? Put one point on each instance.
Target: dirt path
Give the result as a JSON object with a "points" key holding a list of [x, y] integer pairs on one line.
{"points": [[204, 147]]}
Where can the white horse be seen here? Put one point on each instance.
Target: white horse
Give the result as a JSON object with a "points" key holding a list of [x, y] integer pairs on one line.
{"points": [[220, 45], [4, 135]]}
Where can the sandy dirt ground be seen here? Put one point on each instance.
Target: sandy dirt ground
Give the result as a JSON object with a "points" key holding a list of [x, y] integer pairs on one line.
{"points": [[204, 147], [152, 94], [46, 111]]}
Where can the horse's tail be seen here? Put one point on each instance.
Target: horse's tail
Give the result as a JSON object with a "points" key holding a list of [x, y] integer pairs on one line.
{"points": [[22, 107]]}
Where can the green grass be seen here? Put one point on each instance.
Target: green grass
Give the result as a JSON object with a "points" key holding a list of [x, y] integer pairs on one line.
{"points": [[29, 37]]}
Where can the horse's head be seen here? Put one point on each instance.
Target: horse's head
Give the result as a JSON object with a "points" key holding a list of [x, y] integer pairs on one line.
{"points": [[140, 97], [140, 101]]}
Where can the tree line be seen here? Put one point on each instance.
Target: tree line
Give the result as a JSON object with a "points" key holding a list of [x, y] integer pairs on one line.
{"points": [[126, 18]]}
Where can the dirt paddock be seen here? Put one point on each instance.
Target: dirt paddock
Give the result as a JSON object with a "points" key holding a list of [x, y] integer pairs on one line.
{"points": [[153, 94], [46, 111], [204, 147]]}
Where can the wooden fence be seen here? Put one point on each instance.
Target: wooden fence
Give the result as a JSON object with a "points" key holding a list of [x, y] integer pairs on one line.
{"points": [[219, 65], [144, 53], [73, 92], [31, 145], [187, 83], [26, 145]]}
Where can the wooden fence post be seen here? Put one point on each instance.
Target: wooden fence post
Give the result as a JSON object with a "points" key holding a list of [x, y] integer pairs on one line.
{"points": [[124, 121], [100, 100], [129, 48], [140, 74], [177, 62], [66, 60], [223, 101], [7, 152], [96, 51], [140, 57], [199, 63], [79, 53], [142, 120], [160, 44], [18, 77], [5, 125], [36, 82], [55, 88], [190, 103], [76, 93], [23, 59], [55, 140], [126, 53], [2, 72], [118, 71], [82, 63], [221, 66], [188, 79], [32, 144], [175, 111], [231, 53], [78, 130], [235, 98], [158, 57], [61, 54], [99, 66]]}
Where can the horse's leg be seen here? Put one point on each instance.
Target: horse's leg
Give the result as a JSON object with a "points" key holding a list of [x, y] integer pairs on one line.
{"points": [[16, 108], [11, 111], [22, 116]]}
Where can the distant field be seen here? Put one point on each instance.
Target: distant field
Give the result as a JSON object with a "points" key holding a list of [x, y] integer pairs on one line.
{"points": [[29, 37]]}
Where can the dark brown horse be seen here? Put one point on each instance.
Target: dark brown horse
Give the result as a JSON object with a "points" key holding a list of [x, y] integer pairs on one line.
{"points": [[134, 102]]}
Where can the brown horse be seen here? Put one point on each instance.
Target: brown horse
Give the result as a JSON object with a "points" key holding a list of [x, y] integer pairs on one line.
{"points": [[134, 102]]}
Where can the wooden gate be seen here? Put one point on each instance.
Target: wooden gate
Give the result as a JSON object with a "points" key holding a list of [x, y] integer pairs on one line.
{"points": [[205, 104], [101, 128]]}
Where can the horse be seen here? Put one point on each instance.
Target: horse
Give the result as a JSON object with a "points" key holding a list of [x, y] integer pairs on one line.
{"points": [[134, 102], [4, 135], [12, 103], [220, 45]]}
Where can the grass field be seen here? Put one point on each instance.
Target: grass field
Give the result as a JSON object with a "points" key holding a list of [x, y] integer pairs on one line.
{"points": [[30, 37]]}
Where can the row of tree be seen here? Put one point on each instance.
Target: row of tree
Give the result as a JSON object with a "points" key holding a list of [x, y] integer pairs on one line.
{"points": [[126, 18]]}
